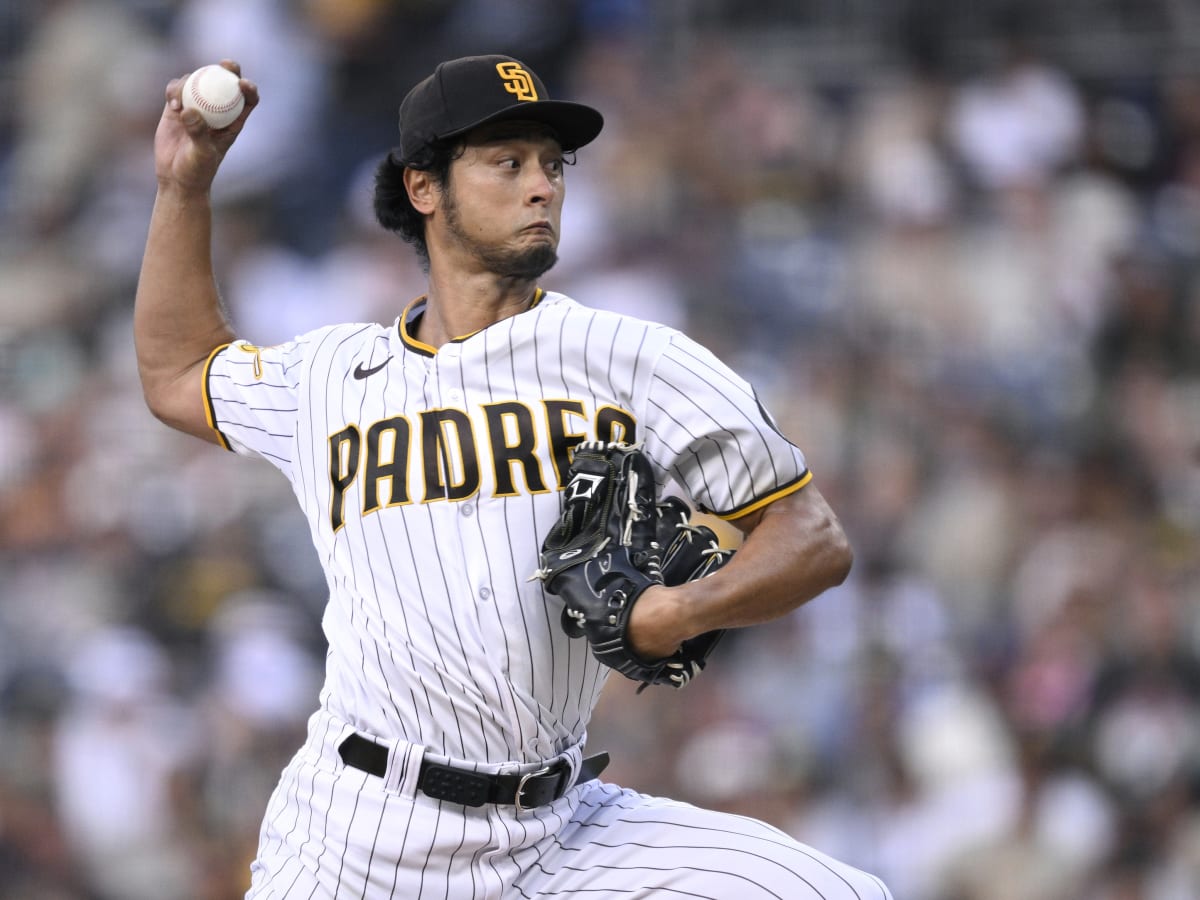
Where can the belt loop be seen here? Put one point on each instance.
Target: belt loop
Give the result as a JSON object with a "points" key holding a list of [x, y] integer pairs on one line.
{"points": [[404, 768], [396, 763]]}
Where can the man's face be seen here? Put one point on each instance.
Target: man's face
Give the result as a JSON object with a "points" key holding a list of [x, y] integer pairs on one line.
{"points": [[502, 205]]}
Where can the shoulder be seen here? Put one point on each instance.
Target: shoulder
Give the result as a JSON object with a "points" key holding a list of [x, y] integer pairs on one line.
{"points": [[322, 349], [347, 333], [561, 306], [348, 339]]}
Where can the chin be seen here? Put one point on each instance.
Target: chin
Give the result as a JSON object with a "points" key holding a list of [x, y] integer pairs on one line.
{"points": [[532, 263]]}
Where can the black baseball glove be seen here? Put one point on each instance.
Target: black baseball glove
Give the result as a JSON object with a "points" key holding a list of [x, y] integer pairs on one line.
{"points": [[614, 540]]}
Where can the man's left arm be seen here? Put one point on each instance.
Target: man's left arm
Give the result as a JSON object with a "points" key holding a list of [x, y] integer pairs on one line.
{"points": [[795, 549]]}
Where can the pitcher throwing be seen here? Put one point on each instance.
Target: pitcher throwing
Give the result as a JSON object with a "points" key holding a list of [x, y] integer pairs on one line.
{"points": [[432, 458]]}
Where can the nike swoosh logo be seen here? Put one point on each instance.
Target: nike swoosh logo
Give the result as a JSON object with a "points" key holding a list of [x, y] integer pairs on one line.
{"points": [[361, 373]]}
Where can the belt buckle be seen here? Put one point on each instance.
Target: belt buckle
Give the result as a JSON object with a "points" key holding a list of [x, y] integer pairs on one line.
{"points": [[544, 770]]}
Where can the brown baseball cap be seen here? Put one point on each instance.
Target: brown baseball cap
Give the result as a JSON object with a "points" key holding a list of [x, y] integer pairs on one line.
{"points": [[464, 93]]}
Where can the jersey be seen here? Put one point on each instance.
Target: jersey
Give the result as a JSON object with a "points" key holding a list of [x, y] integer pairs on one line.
{"points": [[429, 478]]}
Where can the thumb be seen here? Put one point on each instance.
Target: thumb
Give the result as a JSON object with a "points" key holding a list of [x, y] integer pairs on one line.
{"points": [[192, 120]]}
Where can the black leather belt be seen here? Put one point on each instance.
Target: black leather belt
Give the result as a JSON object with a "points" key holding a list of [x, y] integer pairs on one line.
{"points": [[469, 788]]}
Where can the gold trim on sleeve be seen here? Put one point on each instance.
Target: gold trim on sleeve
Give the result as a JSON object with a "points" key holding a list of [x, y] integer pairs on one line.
{"points": [[758, 504], [210, 413]]}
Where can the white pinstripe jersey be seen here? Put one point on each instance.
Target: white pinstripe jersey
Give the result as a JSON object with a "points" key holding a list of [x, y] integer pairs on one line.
{"points": [[429, 478]]}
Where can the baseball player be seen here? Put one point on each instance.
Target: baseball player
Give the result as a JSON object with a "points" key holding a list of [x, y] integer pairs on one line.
{"points": [[431, 456]]}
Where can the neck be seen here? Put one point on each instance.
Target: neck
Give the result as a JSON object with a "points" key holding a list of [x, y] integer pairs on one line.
{"points": [[458, 306]]}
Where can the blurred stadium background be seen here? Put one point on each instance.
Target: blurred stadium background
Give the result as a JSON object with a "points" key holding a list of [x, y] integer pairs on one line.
{"points": [[956, 245]]}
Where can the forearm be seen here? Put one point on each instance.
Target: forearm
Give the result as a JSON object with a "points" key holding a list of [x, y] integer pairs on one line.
{"points": [[795, 552], [178, 318], [783, 564]]}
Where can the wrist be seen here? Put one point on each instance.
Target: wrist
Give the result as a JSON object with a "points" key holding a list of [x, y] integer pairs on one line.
{"points": [[175, 191], [656, 624]]}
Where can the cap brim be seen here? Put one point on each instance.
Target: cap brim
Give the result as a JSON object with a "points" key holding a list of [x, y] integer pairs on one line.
{"points": [[574, 124]]}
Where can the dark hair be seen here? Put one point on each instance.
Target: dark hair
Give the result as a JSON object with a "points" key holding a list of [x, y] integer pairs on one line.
{"points": [[393, 210]]}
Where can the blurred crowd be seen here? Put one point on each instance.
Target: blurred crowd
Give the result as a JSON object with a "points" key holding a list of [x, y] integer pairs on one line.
{"points": [[964, 277]]}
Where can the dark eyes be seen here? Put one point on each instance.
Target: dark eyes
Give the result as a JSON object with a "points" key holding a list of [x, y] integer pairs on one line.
{"points": [[553, 167]]}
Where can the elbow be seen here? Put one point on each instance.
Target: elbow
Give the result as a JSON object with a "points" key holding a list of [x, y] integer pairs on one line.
{"points": [[171, 414], [158, 410], [841, 559], [154, 396], [175, 393], [167, 402], [838, 555]]}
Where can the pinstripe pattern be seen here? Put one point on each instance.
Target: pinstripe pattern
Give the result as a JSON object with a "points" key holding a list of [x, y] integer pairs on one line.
{"points": [[428, 479], [599, 840], [436, 636]]}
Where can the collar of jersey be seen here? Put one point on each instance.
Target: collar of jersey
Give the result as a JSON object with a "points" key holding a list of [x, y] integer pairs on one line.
{"points": [[412, 315]]}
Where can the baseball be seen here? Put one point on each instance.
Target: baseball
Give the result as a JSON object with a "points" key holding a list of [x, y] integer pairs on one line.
{"points": [[213, 91]]}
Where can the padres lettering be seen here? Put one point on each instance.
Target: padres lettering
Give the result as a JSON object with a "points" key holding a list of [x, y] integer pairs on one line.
{"points": [[447, 452], [517, 80]]}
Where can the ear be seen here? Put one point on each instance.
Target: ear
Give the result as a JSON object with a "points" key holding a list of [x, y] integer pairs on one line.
{"points": [[422, 190]]}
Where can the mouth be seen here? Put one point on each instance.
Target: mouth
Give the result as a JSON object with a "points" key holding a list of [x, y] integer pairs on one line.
{"points": [[539, 228]]}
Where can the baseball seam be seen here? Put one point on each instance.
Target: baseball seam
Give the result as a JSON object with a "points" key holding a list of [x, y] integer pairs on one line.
{"points": [[201, 103]]}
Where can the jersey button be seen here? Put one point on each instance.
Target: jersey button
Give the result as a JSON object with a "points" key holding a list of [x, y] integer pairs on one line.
{"points": [[467, 509], [485, 593], [454, 395]]}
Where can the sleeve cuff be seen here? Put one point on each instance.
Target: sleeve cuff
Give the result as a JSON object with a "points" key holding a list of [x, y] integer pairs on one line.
{"points": [[754, 505], [210, 412]]}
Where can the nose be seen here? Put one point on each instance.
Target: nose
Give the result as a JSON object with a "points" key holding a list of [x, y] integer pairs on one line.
{"points": [[539, 186]]}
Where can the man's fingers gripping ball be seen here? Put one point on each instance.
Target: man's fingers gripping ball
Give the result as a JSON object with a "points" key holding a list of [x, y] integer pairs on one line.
{"points": [[215, 93]]}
